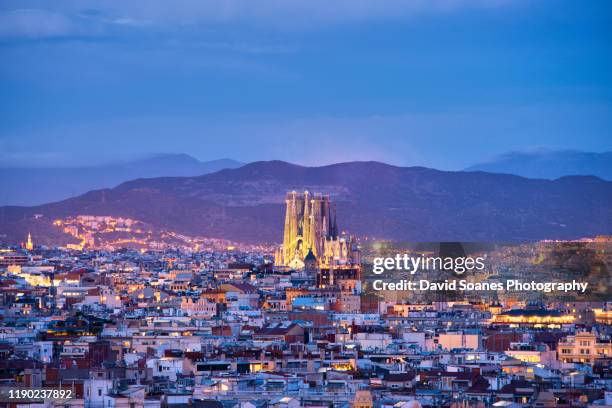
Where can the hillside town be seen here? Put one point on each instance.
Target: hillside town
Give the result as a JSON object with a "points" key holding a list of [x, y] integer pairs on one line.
{"points": [[241, 328]]}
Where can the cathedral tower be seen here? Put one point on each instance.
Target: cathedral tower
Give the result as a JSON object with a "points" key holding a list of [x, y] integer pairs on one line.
{"points": [[310, 226], [29, 244], [308, 222]]}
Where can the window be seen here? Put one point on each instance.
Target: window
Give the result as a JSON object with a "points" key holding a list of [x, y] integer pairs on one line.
{"points": [[99, 392]]}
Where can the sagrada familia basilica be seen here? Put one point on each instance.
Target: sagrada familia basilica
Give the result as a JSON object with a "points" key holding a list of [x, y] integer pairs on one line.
{"points": [[311, 231]]}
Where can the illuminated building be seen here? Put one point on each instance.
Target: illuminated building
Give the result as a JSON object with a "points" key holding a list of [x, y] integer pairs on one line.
{"points": [[29, 244], [310, 225], [584, 347], [532, 353], [36, 278], [533, 318], [347, 279], [9, 257], [453, 340], [603, 316]]}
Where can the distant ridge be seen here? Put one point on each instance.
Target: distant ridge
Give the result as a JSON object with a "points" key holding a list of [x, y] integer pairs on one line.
{"points": [[550, 164], [33, 186], [373, 199]]}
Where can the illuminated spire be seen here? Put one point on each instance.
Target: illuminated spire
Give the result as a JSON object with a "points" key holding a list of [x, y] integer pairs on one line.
{"points": [[29, 245]]}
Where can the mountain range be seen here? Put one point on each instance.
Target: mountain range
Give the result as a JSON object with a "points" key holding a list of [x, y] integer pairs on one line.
{"points": [[39, 185], [33, 186], [550, 164], [373, 200]]}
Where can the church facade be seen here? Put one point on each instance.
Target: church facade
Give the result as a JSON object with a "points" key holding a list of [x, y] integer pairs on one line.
{"points": [[311, 226]]}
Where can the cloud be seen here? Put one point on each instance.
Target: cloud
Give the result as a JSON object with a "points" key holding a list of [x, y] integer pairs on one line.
{"points": [[284, 12], [270, 13], [34, 24], [40, 23], [127, 21]]}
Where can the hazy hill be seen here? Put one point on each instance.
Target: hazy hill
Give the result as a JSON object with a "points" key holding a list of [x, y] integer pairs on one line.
{"points": [[33, 186], [551, 164]]}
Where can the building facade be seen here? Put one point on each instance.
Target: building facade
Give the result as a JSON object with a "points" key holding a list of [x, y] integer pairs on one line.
{"points": [[310, 225]]}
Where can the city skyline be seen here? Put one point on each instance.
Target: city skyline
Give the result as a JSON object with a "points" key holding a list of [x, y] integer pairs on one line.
{"points": [[213, 326], [305, 204]]}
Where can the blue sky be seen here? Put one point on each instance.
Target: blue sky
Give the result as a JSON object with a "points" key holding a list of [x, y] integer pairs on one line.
{"points": [[439, 83]]}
